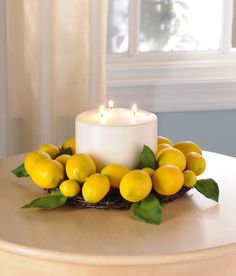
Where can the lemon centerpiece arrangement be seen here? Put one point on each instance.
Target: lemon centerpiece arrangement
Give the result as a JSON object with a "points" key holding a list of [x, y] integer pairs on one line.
{"points": [[72, 178]]}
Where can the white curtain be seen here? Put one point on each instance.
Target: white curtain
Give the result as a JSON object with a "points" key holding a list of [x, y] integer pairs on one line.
{"points": [[234, 25], [55, 60]]}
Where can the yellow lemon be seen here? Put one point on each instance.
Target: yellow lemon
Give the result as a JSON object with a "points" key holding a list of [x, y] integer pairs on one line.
{"points": [[171, 156], [51, 149], [69, 143], [190, 178], [162, 147], [33, 157], [63, 159], [79, 167], [69, 188], [188, 146], [95, 188], [115, 172], [168, 180], [48, 173], [135, 185], [195, 163], [164, 140], [149, 171]]}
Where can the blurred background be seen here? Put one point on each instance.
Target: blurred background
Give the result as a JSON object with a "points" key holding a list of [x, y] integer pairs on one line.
{"points": [[176, 58]]}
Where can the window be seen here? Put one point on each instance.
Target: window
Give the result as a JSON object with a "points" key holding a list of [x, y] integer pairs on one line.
{"points": [[171, 45], [167, 25], [118, 26]]}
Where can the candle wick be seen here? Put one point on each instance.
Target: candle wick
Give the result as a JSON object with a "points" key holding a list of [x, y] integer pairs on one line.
{"points": [[102, 111], [111, 104], [134, 109]]}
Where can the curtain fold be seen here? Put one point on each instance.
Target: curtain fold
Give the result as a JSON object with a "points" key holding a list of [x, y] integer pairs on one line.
{"points": [[234, 25], [55, 68]]}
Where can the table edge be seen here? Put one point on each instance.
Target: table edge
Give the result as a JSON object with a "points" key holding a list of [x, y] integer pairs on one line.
{"points": [[65, 257]]}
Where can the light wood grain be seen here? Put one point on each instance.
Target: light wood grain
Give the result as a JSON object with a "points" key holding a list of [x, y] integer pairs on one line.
{"points": [[196, 233]]}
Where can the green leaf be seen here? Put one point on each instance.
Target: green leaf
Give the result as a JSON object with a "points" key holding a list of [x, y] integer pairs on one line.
{"points": [[64, 151], [20, 171], [209, 188], [147, 159], [148, 210], [55, 192], [53, 200]]}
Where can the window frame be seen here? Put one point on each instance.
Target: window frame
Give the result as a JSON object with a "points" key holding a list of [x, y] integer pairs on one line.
{"points": [[173, 70]]}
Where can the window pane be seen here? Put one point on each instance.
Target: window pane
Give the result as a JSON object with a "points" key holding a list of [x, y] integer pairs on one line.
{"points": [[117, 29], [180, 25]]}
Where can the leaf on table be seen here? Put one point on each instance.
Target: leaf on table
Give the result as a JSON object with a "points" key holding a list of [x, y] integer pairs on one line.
{"points": [[209, 188], [65, 151], [53, 200], [20, 171], [147, 159], [55, 192], [148, 210]]}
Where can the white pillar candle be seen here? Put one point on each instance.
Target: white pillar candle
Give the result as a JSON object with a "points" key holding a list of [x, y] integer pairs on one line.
{"points": [[115, 135]]}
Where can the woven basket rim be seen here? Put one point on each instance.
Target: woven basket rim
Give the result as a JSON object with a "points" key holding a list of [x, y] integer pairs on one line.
{"points": [[113, 200]]}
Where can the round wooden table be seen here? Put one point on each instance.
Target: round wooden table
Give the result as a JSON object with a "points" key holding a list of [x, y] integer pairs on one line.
{"points": [[196, 237]]}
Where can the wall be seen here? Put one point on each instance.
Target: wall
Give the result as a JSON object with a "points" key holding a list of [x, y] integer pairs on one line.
{"points": [[213, 130]]}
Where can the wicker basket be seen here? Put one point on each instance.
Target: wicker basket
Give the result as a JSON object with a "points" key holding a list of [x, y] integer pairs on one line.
{"points": [[114, 200]]}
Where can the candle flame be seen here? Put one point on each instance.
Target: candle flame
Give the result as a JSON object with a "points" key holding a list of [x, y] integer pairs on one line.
{"points": [[134, 109], [102, 110], [111, 104]]}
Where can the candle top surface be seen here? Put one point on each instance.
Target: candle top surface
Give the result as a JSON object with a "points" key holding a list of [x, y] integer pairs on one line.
{"points": [[116, 117]]}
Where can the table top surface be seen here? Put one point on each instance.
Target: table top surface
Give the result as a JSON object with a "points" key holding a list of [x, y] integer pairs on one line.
{"points": [[191, 226]]}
